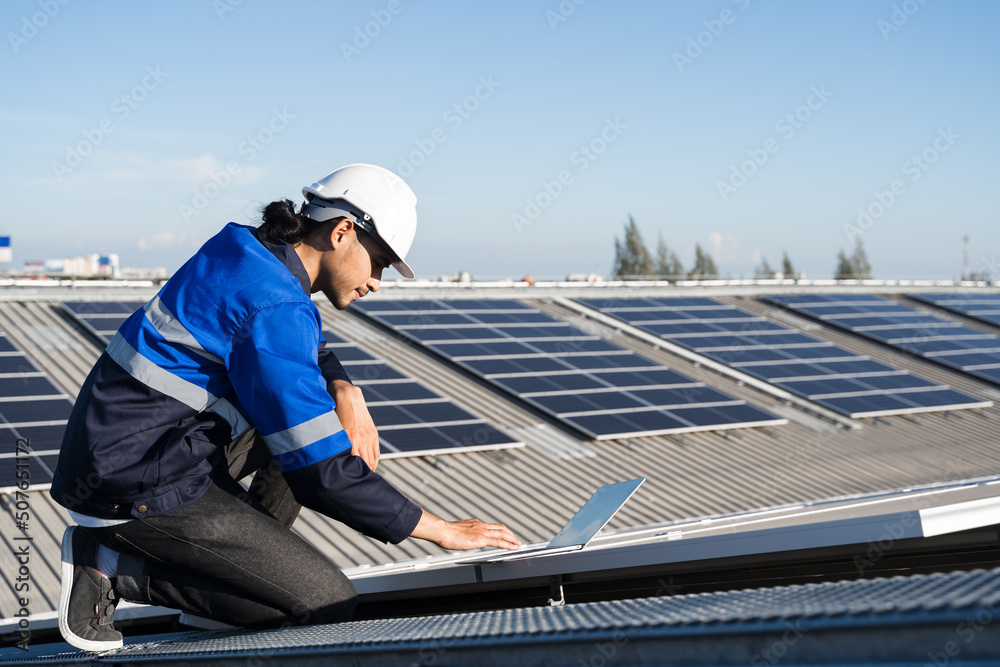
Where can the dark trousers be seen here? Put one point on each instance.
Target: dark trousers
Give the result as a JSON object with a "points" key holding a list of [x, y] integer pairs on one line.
{"points": [[231, 556]]}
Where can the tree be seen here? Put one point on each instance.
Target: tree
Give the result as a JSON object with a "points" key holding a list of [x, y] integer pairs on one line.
{"points": [[704, 265], [667, 262], [764, 271], [855, 267], [844, 270], [632, 257], [786, 266], [859, 261]]}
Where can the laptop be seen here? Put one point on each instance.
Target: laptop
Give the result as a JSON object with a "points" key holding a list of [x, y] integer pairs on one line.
{"points": [[584, 525]]}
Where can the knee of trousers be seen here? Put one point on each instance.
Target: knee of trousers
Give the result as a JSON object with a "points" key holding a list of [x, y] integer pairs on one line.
{"points": [[334, 602]]}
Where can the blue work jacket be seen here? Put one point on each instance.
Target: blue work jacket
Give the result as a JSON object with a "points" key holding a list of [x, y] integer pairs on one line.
{"points": [[232, 342]]}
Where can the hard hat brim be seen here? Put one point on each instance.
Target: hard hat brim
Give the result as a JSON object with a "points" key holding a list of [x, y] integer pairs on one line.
{"points": [[403, 268]]}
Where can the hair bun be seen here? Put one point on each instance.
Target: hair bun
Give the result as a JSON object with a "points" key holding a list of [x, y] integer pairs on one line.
{"points": [[282, 223]]}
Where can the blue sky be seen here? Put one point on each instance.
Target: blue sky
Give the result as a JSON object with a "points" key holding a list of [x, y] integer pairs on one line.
{"points": [[749, 127]]}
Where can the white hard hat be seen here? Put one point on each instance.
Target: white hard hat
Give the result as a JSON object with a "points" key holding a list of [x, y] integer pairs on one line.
{"points": [[376, 199]]}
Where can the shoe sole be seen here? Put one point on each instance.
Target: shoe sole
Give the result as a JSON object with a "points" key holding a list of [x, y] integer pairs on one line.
{"points": [[64, 592]]}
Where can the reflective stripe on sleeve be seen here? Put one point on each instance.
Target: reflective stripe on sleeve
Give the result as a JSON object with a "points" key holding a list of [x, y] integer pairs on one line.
{"points": [[228, 411], [309, 442]]}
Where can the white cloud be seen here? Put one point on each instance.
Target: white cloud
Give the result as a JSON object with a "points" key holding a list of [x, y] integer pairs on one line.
{"points": [[109, 168], [723, 247], [165, 240], [715, 242]]}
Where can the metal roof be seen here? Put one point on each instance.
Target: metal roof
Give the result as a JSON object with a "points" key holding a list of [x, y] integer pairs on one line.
{"points": [[537, 488], [897, 620]]}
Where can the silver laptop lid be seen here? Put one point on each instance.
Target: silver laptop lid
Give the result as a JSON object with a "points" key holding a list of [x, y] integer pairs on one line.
{"points": [[595, 514], [584, 525]]}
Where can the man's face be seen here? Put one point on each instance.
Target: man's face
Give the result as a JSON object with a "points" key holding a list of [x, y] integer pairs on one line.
{"points": [[353, 274]]}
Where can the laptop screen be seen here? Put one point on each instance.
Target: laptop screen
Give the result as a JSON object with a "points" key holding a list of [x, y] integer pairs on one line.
{"points": [[595, 514]]}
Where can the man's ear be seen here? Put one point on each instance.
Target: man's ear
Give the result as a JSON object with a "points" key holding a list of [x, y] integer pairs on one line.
{"points": [[340, 232]]}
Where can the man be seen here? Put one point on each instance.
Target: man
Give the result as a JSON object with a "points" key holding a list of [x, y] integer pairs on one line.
{"points": [[220, 375]]}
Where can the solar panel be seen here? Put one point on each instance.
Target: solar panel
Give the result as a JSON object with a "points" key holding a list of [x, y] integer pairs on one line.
{"points": [[983, 307], [948, 343], [413, 420], [841, 380], [25, 465], [397, 391], [424, 440], [101, 319], [590, 384], [33, 414]]}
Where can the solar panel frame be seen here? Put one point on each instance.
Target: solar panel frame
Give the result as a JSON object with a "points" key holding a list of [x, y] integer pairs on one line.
{"points": [[796, 362], [553, 378], [468, 437], [925, 339], [404, 391], [982, 307], [36, 410], [33, 416], [101, 319]]}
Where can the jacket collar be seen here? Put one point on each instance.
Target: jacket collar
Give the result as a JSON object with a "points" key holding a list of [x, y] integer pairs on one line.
{"points": [[286, 254]]}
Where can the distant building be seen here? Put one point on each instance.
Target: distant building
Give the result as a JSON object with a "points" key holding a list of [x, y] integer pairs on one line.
{"points": [[139, 273], [84, 267]]}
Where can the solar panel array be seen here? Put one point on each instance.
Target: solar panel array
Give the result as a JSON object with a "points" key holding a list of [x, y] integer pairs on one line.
{"points": [[984, 307], [102, 318], [33, 412], [849, 383], [949, 343], [595, 386], [413, 420]]}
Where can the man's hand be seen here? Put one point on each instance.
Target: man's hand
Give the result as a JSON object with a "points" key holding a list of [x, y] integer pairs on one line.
{"points": [[354, 417], [465, 534]]}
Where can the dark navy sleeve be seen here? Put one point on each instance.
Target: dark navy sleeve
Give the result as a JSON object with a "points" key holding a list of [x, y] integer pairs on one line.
{"points": [[344, 488], [330, 366]]}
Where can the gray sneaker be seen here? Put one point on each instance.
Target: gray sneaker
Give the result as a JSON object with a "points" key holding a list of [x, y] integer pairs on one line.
{"points": [[86, 599]]}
